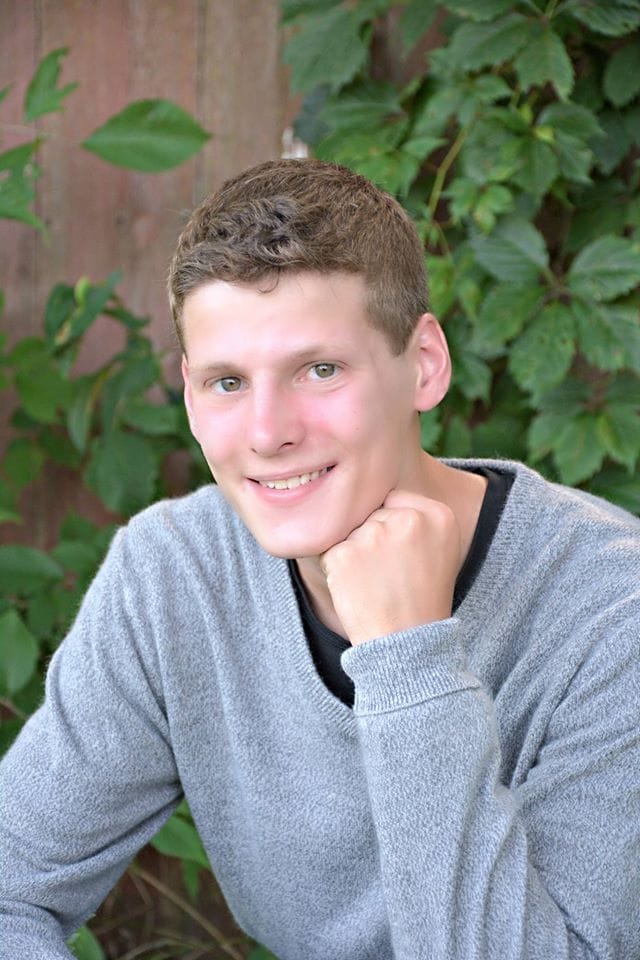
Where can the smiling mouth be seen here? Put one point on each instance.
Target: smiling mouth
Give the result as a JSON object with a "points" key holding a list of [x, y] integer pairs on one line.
{"points": [[290, 483]]}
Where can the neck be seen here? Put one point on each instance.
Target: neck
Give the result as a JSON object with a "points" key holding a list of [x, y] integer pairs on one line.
{"points": [[461, 491]]}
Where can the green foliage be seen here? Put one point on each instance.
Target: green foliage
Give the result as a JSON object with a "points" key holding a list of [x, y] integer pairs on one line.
{"points": [[84, 945], [103, 426], [148, 135], [43, 95], [517, 151]]}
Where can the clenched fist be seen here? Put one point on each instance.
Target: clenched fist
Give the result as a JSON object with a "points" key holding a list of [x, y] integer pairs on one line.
{"points": [[397, 570]]}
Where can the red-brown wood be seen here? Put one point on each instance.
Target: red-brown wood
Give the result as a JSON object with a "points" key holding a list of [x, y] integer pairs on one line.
{"points": [[219, 60]]}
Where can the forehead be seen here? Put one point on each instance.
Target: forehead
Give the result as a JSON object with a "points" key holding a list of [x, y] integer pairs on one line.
{"points": [[289, 313]]}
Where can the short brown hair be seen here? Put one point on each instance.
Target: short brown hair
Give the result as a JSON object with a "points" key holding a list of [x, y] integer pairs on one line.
{"points": [[297, 215]]}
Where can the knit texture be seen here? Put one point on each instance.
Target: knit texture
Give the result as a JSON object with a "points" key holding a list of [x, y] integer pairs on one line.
{"points": [[480, 802]]}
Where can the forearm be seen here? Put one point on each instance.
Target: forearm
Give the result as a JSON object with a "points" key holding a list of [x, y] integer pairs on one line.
{"points": [[460, 861]]}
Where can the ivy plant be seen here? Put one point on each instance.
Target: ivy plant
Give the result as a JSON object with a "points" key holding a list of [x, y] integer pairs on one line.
{"points": [[104, 428], [516, 149]]}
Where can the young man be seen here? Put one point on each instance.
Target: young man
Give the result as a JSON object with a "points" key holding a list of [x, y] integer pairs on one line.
{"points": [[400, 696]]}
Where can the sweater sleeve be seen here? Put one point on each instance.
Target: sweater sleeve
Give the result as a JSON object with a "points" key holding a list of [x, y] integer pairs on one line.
{"points": [[472, 868], [91, 777]]}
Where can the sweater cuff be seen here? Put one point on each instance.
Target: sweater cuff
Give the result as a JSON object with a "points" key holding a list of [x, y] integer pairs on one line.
{"points": [[407, 668]]}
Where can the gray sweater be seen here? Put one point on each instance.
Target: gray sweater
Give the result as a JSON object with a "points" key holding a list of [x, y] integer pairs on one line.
{"points": [[482, 799]]}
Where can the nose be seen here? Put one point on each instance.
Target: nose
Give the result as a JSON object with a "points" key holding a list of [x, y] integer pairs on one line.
{"points": [[274, 422]]}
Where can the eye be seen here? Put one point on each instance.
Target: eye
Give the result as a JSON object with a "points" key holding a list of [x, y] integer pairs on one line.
{"points": [[227, 385], [323, 371]]}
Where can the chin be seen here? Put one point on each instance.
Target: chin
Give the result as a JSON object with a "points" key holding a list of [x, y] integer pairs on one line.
{"points": [[296, 547]]}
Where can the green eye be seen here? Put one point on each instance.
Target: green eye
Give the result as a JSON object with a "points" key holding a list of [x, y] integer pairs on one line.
{"points": [[323, 371], [227, 385]]}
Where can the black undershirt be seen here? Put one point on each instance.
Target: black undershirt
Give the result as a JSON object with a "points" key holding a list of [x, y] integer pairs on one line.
{"points": [[326, 646]]}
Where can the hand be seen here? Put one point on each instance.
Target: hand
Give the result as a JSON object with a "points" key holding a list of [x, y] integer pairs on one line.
{"points": [[397, 570]]}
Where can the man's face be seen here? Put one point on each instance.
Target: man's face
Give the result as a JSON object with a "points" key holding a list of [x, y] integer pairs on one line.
{"points": [[305, 417]]}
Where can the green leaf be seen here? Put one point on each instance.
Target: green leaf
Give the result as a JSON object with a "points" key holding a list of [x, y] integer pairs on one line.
{"points": [[621, 80], [611, 149], [578, 452], [607, 268], [499, 436], [615, 18], [25, 570], [491, 151], [456, 439], [432, 117], [18, 653], [5, 90], [122, 471], [544, 59], [463, 194], [430, 428], [543, 434], [493, 201], [179, 838], [488, 44], [290, 9], [148, 135], [504, 312], [43, 95], [67, 319], [329, 49], [85, 946], [152, 419], [43, 391], [41, 615], [515, 252], [260, 953], [568, 398], [574, 159], [22, 463], [539, 167], [617, 486], [471, 375], [442, 294], [572, 119], [417, 16], [60, 303], [9, 730], [74, 555], [368, 103], [631, 121], [394, 171], [57, 446], [625, 390], [191, 878], [597, 336], [479, 9], [619, 431], [542, 355], [625, 321], [80, 411], [138, 373], [18, 173]]}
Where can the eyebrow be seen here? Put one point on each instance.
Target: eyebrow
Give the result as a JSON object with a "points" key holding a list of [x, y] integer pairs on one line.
{"points": [[311, 352]]}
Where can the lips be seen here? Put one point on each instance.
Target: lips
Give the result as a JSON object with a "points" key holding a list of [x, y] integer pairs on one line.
{"points": [[298, 480]]}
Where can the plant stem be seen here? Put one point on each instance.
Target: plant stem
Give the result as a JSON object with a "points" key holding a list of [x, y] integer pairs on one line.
{"points": [[166, 891], [9, 705], [443, 170]]}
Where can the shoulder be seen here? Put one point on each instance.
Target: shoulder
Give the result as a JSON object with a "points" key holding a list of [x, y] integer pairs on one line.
{"points": [[196, 533], [532, 497], [574, 548]]}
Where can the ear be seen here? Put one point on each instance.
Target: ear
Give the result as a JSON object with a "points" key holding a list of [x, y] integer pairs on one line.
{"points": [[433, 363], [188, 396]]}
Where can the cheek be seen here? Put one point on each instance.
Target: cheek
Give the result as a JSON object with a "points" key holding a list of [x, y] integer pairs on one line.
{"points": [[217, 435]]}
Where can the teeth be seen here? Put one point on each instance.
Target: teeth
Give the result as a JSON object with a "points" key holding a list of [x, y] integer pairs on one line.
{"points": [[293, 482]]}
